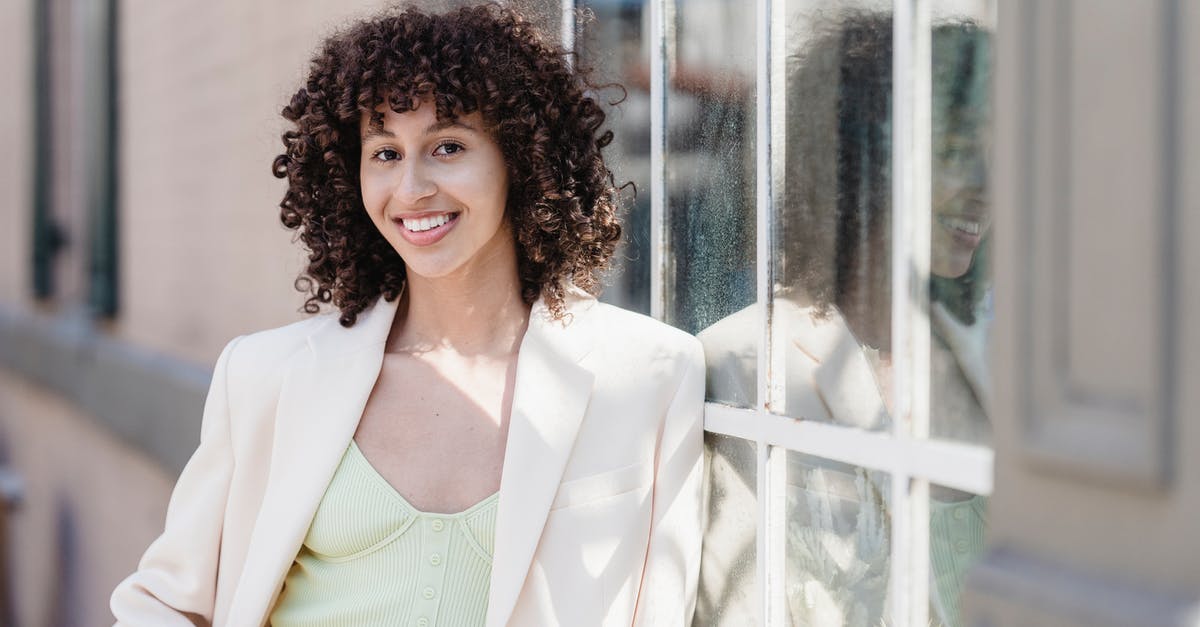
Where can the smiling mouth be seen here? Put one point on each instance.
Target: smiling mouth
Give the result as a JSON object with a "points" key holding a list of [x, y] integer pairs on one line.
{"points": [[964, 225], [426, 223]]}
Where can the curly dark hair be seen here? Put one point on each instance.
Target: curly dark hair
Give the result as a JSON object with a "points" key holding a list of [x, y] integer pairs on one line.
{"points": [[835, 230], [561, 201]]}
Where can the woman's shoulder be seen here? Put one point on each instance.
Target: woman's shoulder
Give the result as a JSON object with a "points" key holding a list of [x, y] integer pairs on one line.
{"points": [[796, 319], [735, 333], [268, 349], [641, 357], [637, 334]]}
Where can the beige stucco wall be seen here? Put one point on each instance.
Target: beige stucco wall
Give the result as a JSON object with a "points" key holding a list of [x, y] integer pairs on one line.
{"points": [[91, 506], [16, 45], [1137, 535], [204, 257]]}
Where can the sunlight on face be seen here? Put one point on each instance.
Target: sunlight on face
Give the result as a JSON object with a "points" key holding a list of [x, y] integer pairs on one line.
{"points": [[436, 190]]}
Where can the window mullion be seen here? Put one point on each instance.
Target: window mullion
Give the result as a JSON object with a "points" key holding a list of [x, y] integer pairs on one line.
{"points": [[772, 460], [567, 27], [911, 111], [662, 36], [957, 465]]}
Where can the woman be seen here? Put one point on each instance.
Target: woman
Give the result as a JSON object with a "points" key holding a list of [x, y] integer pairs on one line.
{"points": [[470, 438], [831, 329]]}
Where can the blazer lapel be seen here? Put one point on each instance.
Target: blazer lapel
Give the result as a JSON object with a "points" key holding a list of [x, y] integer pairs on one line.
{"points": [[549, 401], [322, 398]]}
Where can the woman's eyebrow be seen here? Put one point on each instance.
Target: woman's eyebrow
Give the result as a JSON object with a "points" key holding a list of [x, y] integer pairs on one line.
{"points": [[442, 125], [377, 131]]}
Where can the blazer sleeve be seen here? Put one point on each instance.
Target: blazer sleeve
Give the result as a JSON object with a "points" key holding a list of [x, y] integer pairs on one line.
{"points": [[175, 582], [667, 595]]}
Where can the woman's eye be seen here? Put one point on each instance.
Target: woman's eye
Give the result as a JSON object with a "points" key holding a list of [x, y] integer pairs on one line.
{"points": [[387, 154], [448, 148]]}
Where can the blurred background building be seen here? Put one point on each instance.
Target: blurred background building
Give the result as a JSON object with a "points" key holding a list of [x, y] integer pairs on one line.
{"points": [[997, 433]]}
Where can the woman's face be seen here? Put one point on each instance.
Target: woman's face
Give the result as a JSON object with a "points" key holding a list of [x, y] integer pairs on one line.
{"points": [[436, 190], [960, 145], [960, 212]]}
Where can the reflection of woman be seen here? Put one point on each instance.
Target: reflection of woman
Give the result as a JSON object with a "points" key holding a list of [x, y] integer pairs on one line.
{"points": [[470, 438], [831, 325]]}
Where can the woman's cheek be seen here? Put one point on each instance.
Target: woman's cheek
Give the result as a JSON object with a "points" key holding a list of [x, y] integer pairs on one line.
{"points": [[374, 193]]}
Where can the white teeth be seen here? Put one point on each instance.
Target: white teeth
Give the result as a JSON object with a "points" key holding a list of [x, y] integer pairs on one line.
{"points": [[424, 224], [966, 226]]}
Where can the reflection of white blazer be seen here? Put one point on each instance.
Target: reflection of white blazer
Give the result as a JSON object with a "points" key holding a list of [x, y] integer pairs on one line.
{"points": [[838, 516], [599, 509]]}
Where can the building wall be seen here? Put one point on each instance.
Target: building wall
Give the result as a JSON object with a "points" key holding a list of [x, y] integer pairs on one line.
{"points": [[91, 505], [16, 46], [1097, 349], [204, 255]]}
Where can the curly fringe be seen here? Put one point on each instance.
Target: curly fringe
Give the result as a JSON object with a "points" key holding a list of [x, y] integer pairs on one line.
{"points": [[562, 198]]}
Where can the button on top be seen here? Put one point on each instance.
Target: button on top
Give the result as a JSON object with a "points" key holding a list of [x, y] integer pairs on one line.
{"points": [[960, 512], [438, 525], [422, 622], [435, 559], [961, 546], [428, 593]]}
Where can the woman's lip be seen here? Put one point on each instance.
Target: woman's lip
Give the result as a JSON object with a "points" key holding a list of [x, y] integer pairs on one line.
{"points": [[428, 237], [966, 230]]}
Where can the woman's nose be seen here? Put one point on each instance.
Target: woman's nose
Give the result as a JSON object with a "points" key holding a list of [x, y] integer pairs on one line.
{"points": [[415, 184]]}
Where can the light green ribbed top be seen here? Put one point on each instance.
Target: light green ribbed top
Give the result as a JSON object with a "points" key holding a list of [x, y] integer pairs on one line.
{"points": [[371, 558], [956, 542]]}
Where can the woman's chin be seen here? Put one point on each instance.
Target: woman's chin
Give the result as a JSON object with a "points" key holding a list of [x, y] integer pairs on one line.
{"points": [[430, 270], [951, 266]]}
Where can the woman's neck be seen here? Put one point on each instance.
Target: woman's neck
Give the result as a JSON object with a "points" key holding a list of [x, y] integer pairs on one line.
{"points": [[473, 313]]}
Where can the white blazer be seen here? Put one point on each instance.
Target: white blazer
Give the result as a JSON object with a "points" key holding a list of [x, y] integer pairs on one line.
{"points": [[599, 510]]}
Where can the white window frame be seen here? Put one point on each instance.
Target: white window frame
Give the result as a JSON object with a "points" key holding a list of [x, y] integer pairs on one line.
{"points": [[911, 459]]}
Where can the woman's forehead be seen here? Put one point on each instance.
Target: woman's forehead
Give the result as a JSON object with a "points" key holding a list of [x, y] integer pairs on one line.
{"points": [[424, 116]]}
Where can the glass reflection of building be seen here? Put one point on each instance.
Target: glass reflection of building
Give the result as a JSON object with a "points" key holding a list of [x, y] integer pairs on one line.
{"points": [[709, 152]]}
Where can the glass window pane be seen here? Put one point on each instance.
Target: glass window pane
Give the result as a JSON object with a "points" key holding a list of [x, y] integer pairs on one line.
{"points": [[960, 285], [839, 538], [727, 594], [614, 43], [838, 543], [711, 190], [832, 314]]}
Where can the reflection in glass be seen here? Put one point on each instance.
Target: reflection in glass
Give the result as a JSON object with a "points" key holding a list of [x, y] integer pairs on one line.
{"points": [[727, 565], [960, 288], [832, 252], [710, 163], [957, 523], [831, 326], [838, 543], [833, 249], [614, 43]]}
